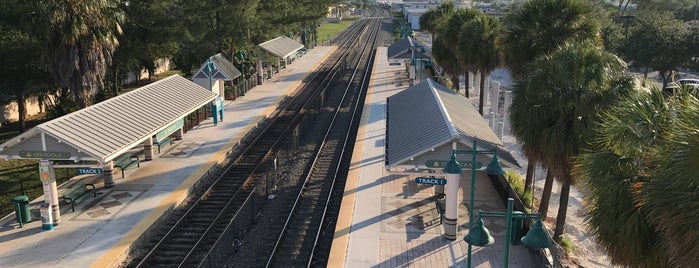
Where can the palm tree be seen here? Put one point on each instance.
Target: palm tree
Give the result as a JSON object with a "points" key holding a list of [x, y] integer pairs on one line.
{"points": [[538, 27], [433, 19], [449, 35], [445, 58], [80, 37], [533, 29], [564, 99], [641, 180], [478, 44]]}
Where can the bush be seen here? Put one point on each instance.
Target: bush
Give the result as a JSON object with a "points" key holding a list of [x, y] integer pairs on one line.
{"points": [[528, 198], [516, 182], [566, 244]]}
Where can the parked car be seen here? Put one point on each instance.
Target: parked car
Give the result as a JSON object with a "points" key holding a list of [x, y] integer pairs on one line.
{"points": [[687, 82]]}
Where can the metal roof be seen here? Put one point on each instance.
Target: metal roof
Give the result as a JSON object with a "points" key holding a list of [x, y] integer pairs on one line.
{"points": [[107, 129], [224, 69], [401, 48], [282, 46], [427, 116]]}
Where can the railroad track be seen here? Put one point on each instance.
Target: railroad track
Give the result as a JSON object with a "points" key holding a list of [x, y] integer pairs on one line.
{"points": [[298, 242], [189, 242]]}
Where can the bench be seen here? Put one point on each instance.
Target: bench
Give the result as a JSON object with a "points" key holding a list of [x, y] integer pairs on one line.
{"points": [[78, 192], [126, 161], [440, 203], [165, 141]]}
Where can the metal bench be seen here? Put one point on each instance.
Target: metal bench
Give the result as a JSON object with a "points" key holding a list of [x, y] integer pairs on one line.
{"points": [[76, 193], [440, 203], [126, 161], [165, 141]]}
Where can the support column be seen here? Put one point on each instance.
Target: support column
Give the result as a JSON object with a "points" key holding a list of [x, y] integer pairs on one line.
{"points": [[453, 170], [486, 91], [55, 209], [148, 149], [260, 78], [506, 113], [477, 82], [48, 178], [495, 99], [470, 81], [109, 175], [179, 133]]}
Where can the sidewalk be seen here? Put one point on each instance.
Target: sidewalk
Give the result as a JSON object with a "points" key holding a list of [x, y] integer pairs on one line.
{"points": [[102, 230]]}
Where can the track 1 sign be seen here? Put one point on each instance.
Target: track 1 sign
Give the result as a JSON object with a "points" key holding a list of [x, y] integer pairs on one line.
{"points": [[430, 180], [91, 171]]}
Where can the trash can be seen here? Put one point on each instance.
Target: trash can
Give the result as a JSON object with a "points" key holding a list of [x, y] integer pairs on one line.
{"points": [[517, 228], [22, 212]]}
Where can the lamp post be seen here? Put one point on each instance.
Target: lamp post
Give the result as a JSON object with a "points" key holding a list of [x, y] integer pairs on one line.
{"points": [[241, 56], [493, 168], [480, 236], [210, 67]]}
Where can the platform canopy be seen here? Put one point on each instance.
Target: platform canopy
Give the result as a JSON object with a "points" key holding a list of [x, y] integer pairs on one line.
{"points": [[402, 49], [282, 46], [425, 120], [107, 129], [223, 69]]}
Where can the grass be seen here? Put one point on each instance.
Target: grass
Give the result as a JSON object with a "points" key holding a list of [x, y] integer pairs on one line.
{"points": [[566, 244], [332, 29], [19, 174], [22, 173], [517, 184]]}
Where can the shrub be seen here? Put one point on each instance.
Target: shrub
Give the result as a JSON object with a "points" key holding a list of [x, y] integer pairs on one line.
{"points": [[567, 244], [516, 182]]}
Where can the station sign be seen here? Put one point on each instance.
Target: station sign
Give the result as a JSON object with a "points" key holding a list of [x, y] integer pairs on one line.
{"points": [[44, 155], [430, 180], [443, 163], [89, 171]]}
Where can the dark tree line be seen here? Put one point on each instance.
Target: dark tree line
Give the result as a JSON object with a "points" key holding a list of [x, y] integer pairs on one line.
{"points": [[78, 51]]}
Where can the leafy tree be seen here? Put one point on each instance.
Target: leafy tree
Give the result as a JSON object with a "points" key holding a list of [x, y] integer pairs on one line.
{"points": [[152, 31], [657, 41], [22, 74], [692, 48], [563, 100]]}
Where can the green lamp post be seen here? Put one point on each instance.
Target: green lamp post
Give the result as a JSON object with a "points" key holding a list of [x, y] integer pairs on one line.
{"points": [[241, 56], [478, 235], [493, 168], [210, 67]]}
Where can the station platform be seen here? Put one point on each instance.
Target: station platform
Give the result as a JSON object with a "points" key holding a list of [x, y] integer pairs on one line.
{"points": [[103, 229], [387, 220]]}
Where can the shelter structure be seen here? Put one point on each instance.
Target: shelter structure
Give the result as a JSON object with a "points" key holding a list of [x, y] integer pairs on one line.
{"points": [[426, 125], [410, 50], [211, 75], [108, 130], [403, 49], [426, 121], [223, 70], [283, 48]]}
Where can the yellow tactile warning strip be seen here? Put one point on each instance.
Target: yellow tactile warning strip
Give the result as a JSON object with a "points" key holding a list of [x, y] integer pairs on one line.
{"points": [[117, 253], [338, 250]]}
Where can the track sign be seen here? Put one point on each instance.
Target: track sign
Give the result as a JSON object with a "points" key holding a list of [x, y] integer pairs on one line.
{"points": [[89, 171], [430, 180]]}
